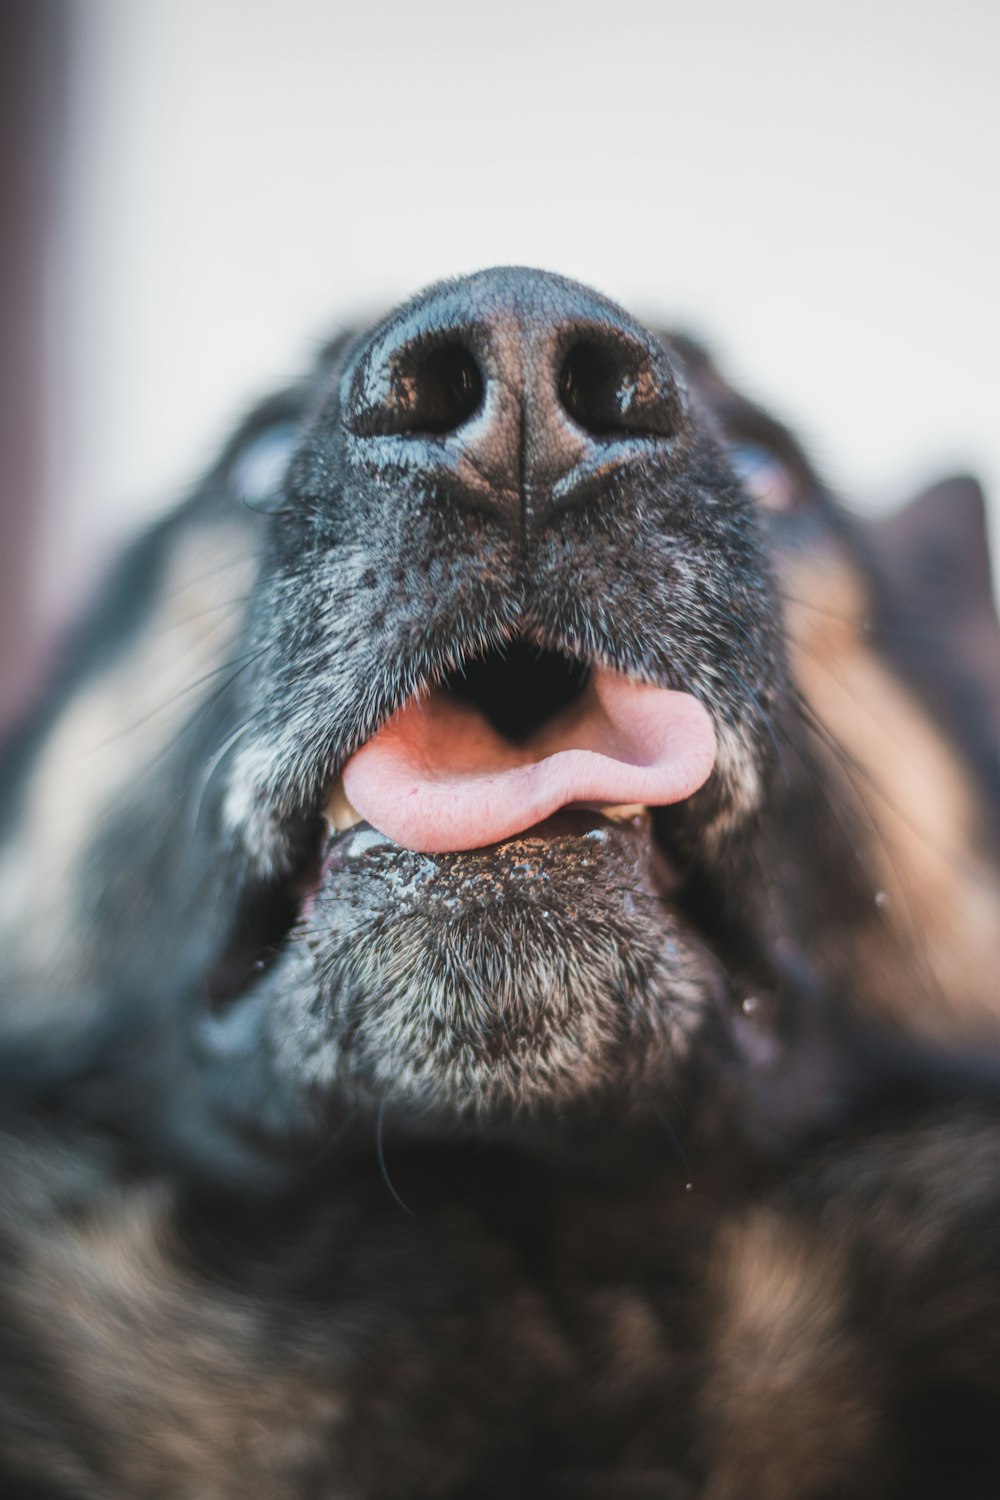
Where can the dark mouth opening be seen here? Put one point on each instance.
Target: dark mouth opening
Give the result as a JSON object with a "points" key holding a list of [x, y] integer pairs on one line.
{"points": [[520, 687], [265, 918]]}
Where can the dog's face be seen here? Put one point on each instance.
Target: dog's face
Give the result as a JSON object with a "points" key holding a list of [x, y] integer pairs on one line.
{"points": [[451, 767], [513, 580]]}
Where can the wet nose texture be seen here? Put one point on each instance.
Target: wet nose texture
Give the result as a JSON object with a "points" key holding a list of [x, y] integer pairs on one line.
{"points": [[513, 393]]}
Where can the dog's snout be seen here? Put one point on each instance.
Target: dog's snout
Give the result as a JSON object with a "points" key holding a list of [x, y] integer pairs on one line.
{"points": [[511, 392]]}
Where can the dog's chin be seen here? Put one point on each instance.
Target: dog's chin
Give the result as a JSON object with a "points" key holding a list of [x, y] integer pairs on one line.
{"points": [[539, 976]]}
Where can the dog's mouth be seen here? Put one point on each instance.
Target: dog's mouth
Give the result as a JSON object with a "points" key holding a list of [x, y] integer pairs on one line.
{"points": [[514, 737], [517, 747]]}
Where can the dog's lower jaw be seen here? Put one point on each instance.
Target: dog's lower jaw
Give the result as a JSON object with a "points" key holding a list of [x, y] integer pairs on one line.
{"points": [[451, 1025], [543, 978]]}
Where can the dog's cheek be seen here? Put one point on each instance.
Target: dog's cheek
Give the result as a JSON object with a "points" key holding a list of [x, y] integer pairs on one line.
{"points": [[104, 759], [924, 952]]}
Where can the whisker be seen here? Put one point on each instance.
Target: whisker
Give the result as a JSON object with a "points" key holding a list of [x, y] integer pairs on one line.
{"points": [[675, 1142], [189, 687], [200, 789], [380, 1153]]}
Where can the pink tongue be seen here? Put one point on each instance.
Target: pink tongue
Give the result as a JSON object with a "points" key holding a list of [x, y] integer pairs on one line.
{"points": [[437, 776]]}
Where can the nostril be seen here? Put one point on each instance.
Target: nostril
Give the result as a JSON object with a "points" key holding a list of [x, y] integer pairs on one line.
{"points": [[612, 389], [444, 388], [435, 390]]}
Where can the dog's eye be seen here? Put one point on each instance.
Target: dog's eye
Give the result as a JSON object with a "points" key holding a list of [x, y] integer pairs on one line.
{"points": [[764, 475], [258, 473]]}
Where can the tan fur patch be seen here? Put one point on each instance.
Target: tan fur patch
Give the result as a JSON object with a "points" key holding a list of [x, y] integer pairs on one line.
{"points": [[787, 1408], [737, 770], [930, 954], [105, 740]]}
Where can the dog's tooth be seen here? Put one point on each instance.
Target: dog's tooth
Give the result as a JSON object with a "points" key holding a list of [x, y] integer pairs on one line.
{"points": [[625, 811], [339, 813]]}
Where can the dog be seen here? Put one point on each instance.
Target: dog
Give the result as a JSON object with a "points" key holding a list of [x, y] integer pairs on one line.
{"points": [[498, 922]]}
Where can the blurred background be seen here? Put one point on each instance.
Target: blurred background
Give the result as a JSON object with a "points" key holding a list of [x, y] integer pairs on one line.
{"points": [[195, 194]]}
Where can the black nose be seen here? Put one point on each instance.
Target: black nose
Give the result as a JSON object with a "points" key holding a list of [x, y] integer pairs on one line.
{"points": [[520, 392]]}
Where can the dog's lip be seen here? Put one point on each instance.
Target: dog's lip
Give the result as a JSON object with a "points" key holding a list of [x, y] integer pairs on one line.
{"points": [[345, 844], [438, 778], [549, 841]]}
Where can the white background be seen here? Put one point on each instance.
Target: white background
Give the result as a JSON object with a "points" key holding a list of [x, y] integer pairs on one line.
{"points": [[811, 186]]}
